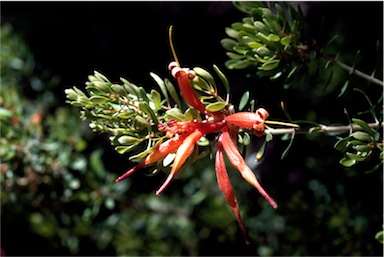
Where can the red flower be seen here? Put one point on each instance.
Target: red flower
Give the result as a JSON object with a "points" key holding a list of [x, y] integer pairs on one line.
{"points": [[184, 135]]}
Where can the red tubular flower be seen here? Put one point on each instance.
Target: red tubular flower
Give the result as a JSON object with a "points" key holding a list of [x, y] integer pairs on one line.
{"points": [[184, 151], [226, 187], [186, 148], [251, 120], [183, 77], [238, 162], [159, 153]]}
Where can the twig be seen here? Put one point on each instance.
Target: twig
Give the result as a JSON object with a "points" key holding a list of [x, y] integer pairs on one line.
{"points": [[352, 70], [318, 129]]}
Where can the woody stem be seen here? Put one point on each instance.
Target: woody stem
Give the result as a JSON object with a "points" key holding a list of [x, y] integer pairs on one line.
{"points": [[352, 70], [318, 129]]}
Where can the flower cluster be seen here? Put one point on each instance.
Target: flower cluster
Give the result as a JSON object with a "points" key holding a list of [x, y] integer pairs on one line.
{"points": [[184, 135], [169, 139]]}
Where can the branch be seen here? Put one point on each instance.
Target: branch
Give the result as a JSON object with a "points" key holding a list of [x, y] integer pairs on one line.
{"points": [[321, 128], [352, 70]]}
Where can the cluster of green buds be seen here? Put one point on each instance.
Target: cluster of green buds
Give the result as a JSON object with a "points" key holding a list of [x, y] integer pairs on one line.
{"points": [[267, 40], [359, 145]]}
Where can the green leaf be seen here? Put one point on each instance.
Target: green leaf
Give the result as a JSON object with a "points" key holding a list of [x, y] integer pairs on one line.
{"points": [[260, 26], [176, 114], [263, 51], [140, 120], [261, 151], [268, 137], [286, 40], [380, 237], [161, 84], [172, 91], [270, 65], [222, 77], [341, 145], [362, 148], [144, 106], [232, 33], [215, 107], [119, 89], [347, 162], [285, 153], [246, 138], [200, 84], [156, 98], [237, 64], [356, 157], [244, 100], [234, 56], [228, 43], [96, 99], [124, 149], [273, 38], [204, 74], [364, 126], [203, 142], [362, 136]]}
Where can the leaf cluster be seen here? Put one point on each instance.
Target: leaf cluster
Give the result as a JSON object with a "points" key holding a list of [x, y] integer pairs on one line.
{"points": [[360, 145], [268, 40]]}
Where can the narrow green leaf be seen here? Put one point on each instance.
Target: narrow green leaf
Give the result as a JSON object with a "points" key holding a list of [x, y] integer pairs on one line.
{"points": [[286, 40], [364, 126], [237, 64], [270, 65], [273, 38], [263, 51], [244, 100], [362, 136], [234, 56], [356, 157], [144, 106], [161, 84], [215, 107], [341, 145], [231, 32], [228, 43], [204, 74], [261, 151], [222, 77], [347, 162], [176, 114], [255, 44], [362, 148], [156, 98], [118, 89], [285, 153], [172, 91], [96, 99], [124, 149]]}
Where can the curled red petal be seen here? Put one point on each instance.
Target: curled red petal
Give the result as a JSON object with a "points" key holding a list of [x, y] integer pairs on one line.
{"points": [[262, 113], [238, 162], [183, 152], [226, 187]]}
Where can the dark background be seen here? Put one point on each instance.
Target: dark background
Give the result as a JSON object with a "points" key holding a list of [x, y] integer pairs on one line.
{"points": [[129, 39]]}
